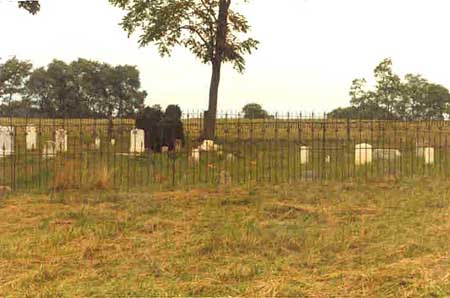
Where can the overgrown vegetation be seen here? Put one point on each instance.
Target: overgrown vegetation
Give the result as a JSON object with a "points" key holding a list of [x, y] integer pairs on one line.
{"points": [[378, 239]]}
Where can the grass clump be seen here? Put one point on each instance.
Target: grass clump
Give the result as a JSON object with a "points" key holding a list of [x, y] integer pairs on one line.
{"points": [[374, 239]]}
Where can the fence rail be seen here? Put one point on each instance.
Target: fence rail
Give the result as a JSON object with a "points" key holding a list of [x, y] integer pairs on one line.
{"points": [[45, 154]]}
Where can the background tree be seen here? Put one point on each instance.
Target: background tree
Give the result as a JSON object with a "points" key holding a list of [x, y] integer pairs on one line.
{"points": [[254, 111], [210, 29], [85, 88], [13, 77], [413, 98]]}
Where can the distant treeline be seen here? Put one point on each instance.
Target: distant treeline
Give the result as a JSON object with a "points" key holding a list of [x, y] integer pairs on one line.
{"points": [[413, 98], [82, 88]]}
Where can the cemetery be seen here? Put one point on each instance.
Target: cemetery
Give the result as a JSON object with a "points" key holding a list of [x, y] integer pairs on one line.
{"points": [[171, 156]]}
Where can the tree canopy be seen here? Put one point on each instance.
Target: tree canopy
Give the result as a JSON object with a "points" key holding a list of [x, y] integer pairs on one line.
{"points": [[32, 6], [211, 29], [254, 111], [413, 98], [82, 88]]}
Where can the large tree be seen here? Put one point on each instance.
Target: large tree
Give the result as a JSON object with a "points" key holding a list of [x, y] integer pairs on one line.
{"points": [[211, 29]]}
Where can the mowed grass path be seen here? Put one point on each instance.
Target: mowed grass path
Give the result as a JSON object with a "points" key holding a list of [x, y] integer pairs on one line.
{"points": [[378, 239]]}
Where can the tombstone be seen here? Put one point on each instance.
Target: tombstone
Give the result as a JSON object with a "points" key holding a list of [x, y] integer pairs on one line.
{"points": [[327, 159], [137, 141], [224, 178], [363, 154], [6, 140], [113, 142], [164, 149], [427, 153], [31, 138], [49, 150], [61, 140], [230, 157], [97, 142], [195, 155], [386, 154], [208, 145], [304, 154]]}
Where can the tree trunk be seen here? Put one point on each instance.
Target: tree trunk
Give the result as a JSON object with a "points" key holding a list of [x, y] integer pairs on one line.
{"points": [[211, 113], [221, 37]]}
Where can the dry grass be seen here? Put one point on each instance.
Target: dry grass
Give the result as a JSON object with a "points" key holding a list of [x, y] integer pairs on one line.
{"points": [[68, 176], [380, 239]]}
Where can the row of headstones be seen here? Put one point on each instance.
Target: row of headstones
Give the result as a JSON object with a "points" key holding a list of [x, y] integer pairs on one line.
{"points": [[50, 148], [365, 154]]}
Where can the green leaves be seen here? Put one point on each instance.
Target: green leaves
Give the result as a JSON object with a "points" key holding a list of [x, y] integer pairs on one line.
{"points": [[32, 7], [414, 98], [82, 88], [189, 23]]}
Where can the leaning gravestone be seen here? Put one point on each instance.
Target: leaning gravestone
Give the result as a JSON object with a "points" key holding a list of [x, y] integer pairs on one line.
{"points": [[137, 142], [6, 140], [31, 138], [363, 154], [61, 140]]}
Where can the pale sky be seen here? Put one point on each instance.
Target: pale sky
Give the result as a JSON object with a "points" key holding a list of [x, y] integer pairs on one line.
{"points": [[310, 50]]}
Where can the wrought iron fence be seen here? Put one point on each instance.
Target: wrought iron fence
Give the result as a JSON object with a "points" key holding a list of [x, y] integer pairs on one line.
{"points": [[45, 154]]}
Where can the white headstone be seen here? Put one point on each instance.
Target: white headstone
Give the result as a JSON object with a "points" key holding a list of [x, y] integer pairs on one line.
{"points": [[208, 145], [304, 155], [49, 150], [6, 140], [113, 142], [427, 153], [137, 143], [61, 140], [97, 142], [31, 138], [195, 155], [230, 157], [164, 149], [363, 154]]}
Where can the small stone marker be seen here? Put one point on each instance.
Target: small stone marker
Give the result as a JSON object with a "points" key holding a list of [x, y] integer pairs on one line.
{"points": [[61, 140], [6, 140], [164, 149], [31, 138], [304, 154], [208, 145], [49, 150], [363, 154], [427, 153], [195, 155], [230, 157], [113, 142], [137, 144], [97, 143]]}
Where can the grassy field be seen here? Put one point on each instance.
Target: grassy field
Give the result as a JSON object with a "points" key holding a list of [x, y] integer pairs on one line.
{"points": [[378, 239]]}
